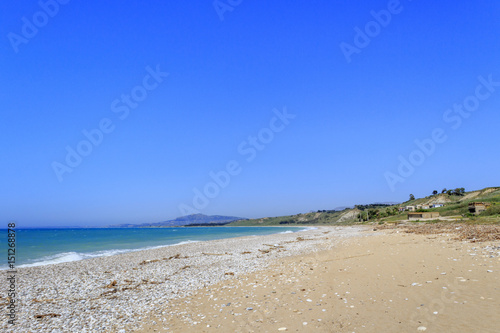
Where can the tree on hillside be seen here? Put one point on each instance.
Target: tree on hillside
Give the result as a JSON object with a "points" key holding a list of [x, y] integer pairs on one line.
{"points": [[373, 213], [449, 192], [412, 197], [434, 192], [457, 191], [462, 190], [444, 190]]}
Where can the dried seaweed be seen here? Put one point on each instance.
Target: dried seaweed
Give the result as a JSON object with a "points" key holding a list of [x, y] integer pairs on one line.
{"points": [[463, 232]]}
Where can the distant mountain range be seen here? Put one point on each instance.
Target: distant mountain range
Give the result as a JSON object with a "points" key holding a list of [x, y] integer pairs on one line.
{"points": [[184, 220]]}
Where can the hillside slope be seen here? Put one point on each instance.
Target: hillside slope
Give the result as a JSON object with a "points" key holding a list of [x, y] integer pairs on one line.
{"points": [[324, 217], [454, 205]]}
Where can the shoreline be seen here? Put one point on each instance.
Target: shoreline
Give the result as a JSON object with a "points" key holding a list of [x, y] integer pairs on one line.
{"points": [[62, 257], [109, 294]]}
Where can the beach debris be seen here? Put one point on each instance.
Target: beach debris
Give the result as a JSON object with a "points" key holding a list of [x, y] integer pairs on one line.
{"points": [[229, 273], [148, 261], [112, 284], [109, 292], [177, 256], [473, 233], [216, 254], [50, 315], [422, 328], [282, 329]]}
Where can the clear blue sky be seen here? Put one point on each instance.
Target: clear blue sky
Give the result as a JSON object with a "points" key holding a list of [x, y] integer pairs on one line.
{"points": [[67, 72]]}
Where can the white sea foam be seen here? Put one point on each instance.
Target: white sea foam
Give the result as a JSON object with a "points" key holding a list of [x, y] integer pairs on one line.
{"points": [[56, 259], [75, 256], [186, 242], [308, 228]]}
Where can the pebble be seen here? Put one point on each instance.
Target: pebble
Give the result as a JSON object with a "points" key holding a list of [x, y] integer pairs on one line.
{"points": [[145, 281]]}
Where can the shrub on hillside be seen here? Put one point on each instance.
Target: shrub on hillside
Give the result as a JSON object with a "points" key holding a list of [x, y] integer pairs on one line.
{"points": [[493, 210]]}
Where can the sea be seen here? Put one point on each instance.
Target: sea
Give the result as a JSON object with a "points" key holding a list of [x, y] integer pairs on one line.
{"points": [[35, 247]]}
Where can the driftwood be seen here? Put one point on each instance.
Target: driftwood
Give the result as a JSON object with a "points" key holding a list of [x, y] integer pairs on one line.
{"points": [[51, 315]]}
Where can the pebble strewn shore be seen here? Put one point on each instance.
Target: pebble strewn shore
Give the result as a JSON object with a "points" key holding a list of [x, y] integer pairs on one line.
{"points": [[112, 294]]}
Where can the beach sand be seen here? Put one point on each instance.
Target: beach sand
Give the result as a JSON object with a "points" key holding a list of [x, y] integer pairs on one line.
{"points": [[331, 279], [389, 282], [117, 293]]}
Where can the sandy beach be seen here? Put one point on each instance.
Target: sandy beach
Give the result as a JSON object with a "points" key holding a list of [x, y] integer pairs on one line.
{"points": [[389, 282], [331, 279], [117, 293]]}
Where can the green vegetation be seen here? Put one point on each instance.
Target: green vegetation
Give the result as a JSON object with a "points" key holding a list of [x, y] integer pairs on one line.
{"points": [[456, 208], [378, 212], [321, 217], [492, 211]]}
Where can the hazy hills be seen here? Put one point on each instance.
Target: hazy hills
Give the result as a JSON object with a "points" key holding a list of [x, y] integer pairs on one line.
{"points": [[184, 220]]}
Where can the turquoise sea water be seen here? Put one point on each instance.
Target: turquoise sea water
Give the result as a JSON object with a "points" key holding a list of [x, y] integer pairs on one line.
{"points": [[49, 246]]}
